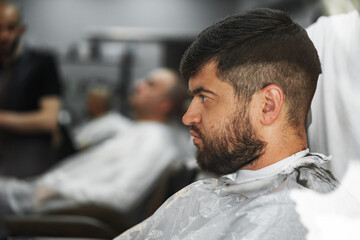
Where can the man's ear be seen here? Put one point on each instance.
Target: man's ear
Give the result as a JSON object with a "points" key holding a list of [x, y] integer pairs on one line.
{"points": [[273, 100]]}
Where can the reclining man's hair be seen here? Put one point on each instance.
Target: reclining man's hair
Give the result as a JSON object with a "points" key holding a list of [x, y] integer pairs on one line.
{"points": [[177, 94], [255, 49]]}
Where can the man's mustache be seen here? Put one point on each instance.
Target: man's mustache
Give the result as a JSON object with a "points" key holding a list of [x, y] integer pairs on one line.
{"points": [[197, 131]]}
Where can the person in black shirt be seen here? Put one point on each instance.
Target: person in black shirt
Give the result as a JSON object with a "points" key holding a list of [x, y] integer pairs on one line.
{"points": [[29, 101]]}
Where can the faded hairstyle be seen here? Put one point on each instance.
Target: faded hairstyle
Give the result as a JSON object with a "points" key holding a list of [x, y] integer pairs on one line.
{"points": [[255, 49]]}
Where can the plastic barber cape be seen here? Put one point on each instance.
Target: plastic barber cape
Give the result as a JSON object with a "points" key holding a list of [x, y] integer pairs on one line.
{"points": [[335, 108], [244, 205], [119, 172]]}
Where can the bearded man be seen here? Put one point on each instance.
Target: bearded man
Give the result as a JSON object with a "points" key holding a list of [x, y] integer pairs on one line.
{"points": [[252, 76]]}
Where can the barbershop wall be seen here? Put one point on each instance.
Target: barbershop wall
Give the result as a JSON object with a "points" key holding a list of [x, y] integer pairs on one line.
{"points": [[65, 27], [61, 22]]}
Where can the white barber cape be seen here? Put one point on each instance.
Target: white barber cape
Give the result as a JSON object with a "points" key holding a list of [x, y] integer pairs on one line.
{"points": [[118, 172], [100, 129], [244, 205], [335, 128]]}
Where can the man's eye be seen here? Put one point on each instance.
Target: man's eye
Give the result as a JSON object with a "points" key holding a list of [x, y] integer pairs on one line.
{"points": [[203, 98], [11, 27]]}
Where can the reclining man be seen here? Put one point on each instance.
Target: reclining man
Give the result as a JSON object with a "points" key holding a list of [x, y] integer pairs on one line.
{"points": [[121, 171], [252, 76]]}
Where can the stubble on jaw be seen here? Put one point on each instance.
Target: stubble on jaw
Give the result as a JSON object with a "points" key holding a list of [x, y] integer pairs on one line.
{"points": [[11, 51]]}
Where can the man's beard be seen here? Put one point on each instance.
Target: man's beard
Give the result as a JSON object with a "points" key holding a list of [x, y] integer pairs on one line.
{"points": [[230, 148], [11, 50]]}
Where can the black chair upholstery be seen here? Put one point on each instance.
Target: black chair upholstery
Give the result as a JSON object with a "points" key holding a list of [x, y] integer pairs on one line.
{"points": [[59, 226], [97, 221]]}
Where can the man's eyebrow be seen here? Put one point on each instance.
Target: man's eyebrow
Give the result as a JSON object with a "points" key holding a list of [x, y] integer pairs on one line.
{"points": [[199, 90]]}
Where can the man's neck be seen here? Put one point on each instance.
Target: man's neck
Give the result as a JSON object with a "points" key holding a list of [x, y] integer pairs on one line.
{"points": [[280, 148]]}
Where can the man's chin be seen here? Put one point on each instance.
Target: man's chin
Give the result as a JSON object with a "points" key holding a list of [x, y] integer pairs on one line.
{"points": [[204, 166], [5, 52], [199, 146]]}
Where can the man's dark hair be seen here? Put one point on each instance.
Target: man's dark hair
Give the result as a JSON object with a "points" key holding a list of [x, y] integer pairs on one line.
{"points": [[255, 49]]}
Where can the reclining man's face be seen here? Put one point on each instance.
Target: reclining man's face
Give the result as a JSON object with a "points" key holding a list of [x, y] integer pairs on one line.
{"points": [[220, 124], [150, 92]]}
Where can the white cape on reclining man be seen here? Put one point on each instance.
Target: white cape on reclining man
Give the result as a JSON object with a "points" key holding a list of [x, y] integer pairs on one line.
{"points": [[99, 129], [119, 172]]}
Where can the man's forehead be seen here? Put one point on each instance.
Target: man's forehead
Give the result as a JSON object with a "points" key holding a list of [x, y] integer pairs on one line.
{"points": [[198, 85], [9, 13], [205, 78], [158, 86], [157, 81]]}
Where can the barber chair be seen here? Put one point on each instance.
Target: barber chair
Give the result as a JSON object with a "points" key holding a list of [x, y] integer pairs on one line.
{"points": [[82, 221], [94, 221]]}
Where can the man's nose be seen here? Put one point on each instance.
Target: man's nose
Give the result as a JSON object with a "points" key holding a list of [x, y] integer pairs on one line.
{"points": [[192, 116]]}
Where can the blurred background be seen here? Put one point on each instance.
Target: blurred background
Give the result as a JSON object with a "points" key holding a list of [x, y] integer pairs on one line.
{"points": [[113, 43], [104, 47]]}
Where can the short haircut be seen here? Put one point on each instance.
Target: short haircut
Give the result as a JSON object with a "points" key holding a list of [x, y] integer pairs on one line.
{"points": [[255, 49], [16, 7]]}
